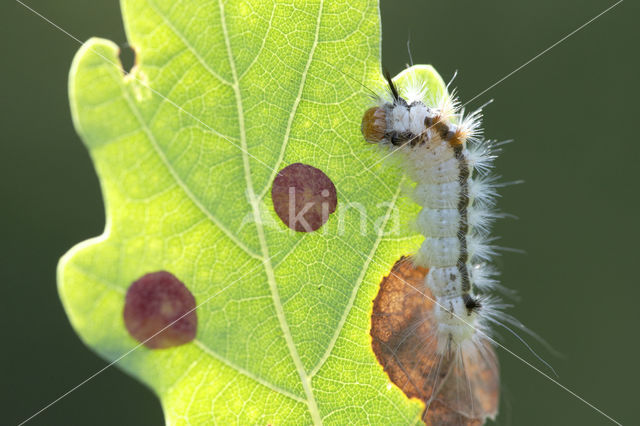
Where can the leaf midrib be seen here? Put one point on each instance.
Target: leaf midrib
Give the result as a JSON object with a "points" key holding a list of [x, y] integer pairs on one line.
{"points": [[306, 383], [200, 344], [151, 137], [254, 203]]}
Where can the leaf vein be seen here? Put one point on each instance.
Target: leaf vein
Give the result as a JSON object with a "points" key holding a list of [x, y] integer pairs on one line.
{"points": [[356, 288], [254, 202], [249, 374], [181, 183], [186, 42], [202, 346], [303, 80], [264, 40]]}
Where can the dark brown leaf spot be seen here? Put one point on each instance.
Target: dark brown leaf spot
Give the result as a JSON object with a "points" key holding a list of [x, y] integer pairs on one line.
{"points": [[159, 311], [303, 197], [404, 341]]}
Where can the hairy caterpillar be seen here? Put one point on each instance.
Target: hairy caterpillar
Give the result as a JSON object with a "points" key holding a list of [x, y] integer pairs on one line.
{"points": [[441, 147]]}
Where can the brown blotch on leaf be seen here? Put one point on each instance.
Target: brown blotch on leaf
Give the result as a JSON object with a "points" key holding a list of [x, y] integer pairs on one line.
{"points": [[159, 311], [456, 391], [303, 197]]}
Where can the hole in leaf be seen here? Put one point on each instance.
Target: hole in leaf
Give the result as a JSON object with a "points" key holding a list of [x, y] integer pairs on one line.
{"points": [[303, 197], [159, 311], [127, 57], [403, 327]]}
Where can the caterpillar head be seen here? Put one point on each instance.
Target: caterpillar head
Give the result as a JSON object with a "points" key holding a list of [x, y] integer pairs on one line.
{"points": [[374, 124]]}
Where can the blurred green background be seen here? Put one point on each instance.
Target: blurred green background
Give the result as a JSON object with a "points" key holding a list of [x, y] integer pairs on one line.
{"points": [[572, 113]]}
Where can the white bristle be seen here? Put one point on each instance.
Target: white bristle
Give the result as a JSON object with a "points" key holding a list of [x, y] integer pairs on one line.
{"points": [[451, 163]]}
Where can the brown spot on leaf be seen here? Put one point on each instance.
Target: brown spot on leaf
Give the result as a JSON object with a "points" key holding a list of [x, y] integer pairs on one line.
{"points": [[303, 197], [404, 339], [159, 311]]}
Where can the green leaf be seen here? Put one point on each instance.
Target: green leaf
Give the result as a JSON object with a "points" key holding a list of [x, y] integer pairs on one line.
{"points": [[225, 94]]}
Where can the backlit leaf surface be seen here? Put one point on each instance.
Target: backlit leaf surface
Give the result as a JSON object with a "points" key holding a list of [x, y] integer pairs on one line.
{"points": [[225, 94]]}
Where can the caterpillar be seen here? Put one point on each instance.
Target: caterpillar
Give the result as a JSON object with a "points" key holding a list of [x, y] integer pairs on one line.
{"points": [[443, 152]]}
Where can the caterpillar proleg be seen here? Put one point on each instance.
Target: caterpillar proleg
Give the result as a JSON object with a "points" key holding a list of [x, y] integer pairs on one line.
{"points": [[441, 148]]}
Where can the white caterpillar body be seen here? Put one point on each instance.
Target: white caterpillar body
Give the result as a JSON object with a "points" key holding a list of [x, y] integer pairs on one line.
{"points": [[441, 149]]}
